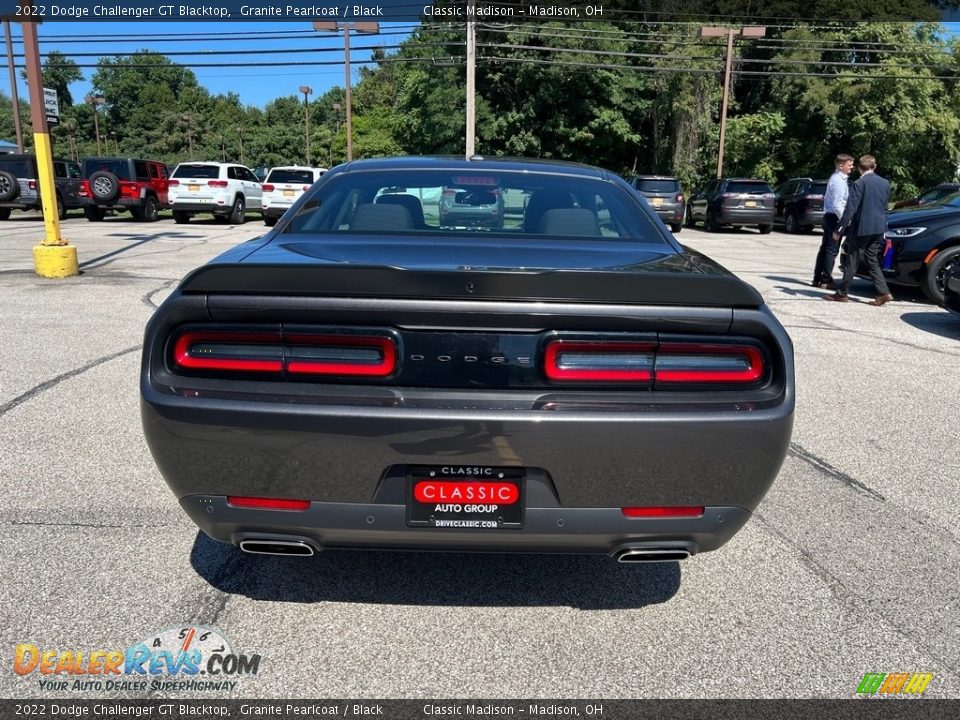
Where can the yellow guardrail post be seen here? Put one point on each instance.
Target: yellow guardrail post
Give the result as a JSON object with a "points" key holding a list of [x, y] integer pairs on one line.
{"points": [[54, 257]]}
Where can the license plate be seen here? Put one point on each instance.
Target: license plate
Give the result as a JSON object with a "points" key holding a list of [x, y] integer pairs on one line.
{"points": [[288, 193], [657, 202], [193, 188], [751, 203], [468, 497]]}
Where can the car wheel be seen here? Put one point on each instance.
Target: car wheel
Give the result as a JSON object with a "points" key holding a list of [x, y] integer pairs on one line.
{"points": [[712, 224], [94, 214], [691, 223], [104, 185], [790, 223], [61, 208], [148, 213], [4, 213], [238, 214], [9, 188], [676, 227], [765, 229], [935, 277], [269, 221], [180, 217]]}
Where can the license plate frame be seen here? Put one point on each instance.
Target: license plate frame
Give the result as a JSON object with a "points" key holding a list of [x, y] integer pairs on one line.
{"points": [[657, 202], [193, 188], [288, 193], [465, 498], [750, 203]]}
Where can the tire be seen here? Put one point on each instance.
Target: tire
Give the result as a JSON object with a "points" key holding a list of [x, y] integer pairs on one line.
{"points": [[271, 221], [104, 186], [61, 208], [791, 224], [690, 222], [238, 213], [180, 217], [676, 227], [764, 229], [9, 187], [94, 214], [149, 212], [4, 213], [932, 282], [712, 224]]}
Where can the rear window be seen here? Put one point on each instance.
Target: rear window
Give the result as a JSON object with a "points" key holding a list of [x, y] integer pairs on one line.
{"points": [[302, 177], [118, 166], [211, 172], [819, 188], [748, 186], [509, 204], [20, 168], [656, 186]]}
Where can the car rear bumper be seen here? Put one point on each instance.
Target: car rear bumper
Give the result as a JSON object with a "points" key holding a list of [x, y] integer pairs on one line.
{"points": [[811, 217], [383, 525], [670, 214], [745, 216], [211, 206]]}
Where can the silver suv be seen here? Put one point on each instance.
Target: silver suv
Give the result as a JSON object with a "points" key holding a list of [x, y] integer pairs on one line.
{"points": [[665, 196], [227, 190], [20, 189]]}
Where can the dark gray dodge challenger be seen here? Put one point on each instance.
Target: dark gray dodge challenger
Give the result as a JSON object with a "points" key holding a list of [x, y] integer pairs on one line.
{"points": [[559, 377]]}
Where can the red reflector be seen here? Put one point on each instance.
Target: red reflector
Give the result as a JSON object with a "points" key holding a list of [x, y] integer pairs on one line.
{"points": [[268, 188], [431, 491], [213, 350], [695, 362], [359, 355], [217, 183], [663, 512], [261, 503], [599, 361]]}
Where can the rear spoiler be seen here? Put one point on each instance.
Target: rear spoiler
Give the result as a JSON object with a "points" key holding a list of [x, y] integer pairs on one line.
{"points": [[638, 285]]}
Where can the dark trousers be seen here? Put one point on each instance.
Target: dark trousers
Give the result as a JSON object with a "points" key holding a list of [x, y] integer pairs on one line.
{"points": [[870, 248], [829, 249]]}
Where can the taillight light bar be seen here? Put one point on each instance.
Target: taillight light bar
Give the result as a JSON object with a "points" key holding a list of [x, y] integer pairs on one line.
{"points": [[273, 352], [267, 188], [173, 183], [678, 511], [665, 363], [217, 183], [263, 503]]}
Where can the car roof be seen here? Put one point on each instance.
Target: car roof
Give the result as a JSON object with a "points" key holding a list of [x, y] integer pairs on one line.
{"points": [[456, 162], [655, 177]]}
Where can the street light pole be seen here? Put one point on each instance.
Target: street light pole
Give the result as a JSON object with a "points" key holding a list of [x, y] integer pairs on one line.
{"points": [[750, 31], [371, 28], [13, 88], [96, 101], [471, 82], [306, 90]]}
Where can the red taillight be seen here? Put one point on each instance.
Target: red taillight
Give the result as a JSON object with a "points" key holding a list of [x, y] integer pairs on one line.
{"points": [[638, 362], [217, 183], [268, 188], [232, 351], [84, 189], [601, 361], [305, 187], [173, 183], [261, 503], [813, 197], [32, 184], [372, 356], [708, 363], [679, 198], [679, 511], [129, 190]]}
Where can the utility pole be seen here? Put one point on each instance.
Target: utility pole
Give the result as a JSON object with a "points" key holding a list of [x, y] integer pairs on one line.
{"points": [[471, 81], [306, 90], [96, 101], [370, 28], [13, 88], [750, 31], [54, 257]]}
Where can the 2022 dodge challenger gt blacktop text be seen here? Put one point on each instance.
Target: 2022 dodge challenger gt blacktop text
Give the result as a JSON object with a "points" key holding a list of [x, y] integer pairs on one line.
{"points": [[564, 377]]}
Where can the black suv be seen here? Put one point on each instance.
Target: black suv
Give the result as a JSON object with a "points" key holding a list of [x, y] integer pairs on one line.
{"points": [[139, 186], [800, 204], [732, 201], [665, 195], [20, 188]]}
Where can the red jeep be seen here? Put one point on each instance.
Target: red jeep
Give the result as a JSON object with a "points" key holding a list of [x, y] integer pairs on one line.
{"points": [[139, 186]]}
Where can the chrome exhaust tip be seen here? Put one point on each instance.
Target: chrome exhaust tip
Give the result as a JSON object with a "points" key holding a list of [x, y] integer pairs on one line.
{"points": [[277, 547], [648, 555]]}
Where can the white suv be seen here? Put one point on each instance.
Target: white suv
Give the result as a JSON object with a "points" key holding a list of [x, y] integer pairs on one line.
{"points": [[283, 187], [225, 189]]}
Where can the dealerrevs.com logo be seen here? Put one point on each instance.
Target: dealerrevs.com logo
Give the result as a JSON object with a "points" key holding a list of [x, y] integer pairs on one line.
{"points": [[889, 684], [191, 658]]}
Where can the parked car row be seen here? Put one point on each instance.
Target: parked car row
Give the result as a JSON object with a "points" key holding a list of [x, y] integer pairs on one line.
{"points": [[143, 188]]}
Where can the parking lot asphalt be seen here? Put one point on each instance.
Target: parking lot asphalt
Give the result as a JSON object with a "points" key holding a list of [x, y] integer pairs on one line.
{"points": [[849, 566]]}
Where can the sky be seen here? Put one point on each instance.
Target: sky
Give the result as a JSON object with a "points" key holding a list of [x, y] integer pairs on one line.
{"points": [[255, 85]]}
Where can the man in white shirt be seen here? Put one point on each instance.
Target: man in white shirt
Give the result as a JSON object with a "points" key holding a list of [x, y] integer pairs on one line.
{"points": [[834, 202]]}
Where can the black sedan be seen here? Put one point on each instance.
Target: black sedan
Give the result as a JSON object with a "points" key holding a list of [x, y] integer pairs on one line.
{"points": [[924, 244], [571, 381], [951, 290]]}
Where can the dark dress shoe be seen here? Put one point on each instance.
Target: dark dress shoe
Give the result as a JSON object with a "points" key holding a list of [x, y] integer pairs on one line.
{"points": [[825, 285], [881, 300], [837, 297]]}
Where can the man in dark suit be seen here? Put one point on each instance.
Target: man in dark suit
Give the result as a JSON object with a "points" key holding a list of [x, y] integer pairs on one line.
{"points": [[864, 221]]}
